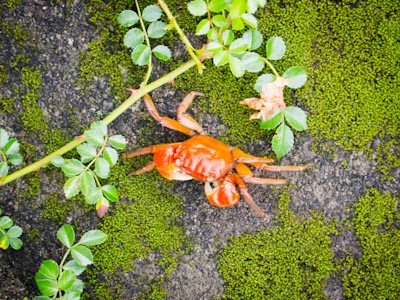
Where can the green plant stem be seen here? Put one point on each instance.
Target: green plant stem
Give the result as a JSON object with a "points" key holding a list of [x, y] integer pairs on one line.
{"points": [[271, 66], [183, 37], [107, 120]]}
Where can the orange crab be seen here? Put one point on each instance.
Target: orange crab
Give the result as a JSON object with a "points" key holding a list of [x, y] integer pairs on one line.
{"points": [[206, 159]]}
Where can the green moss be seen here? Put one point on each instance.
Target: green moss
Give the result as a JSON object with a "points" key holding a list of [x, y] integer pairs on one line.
{"points": [[12, 4], [376, 274], [34, 235], [291, 261], [148, 223], [7, 105], [55, 208]]}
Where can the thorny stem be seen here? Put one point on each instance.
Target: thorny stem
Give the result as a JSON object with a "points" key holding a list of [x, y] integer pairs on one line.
{"points": [[182, 35], [107, 120]]}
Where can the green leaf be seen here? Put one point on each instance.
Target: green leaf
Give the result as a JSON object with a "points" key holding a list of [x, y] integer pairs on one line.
{"points": [[252, 5], [4, 137], [217, 6], [11, 147], [237, 24], [151, 13], [273, 121], [66, 235], [72, 187], [214, 47], [282, 141], [66, 280], [88, 185], [238, 8], [238, 46], [15, 243], [77, 286], [263, 79], [221, 58], [276, 48], [94, 197], [219, 20], [141, 55], [162, 52], [57, 161], [72, 265], [252, 62], [94, 137], [118, 141], [41, 298], [93, 237], [14, 232], [156, 30], [127, 18], [227, 37], [197, 7], [4, 242], [5, 222], [100, 127], [71, 294], [110, 192], [296, 118], [253, 38], [203, 27], [212, 35], [250, 20], [72, 167], [3, 169], [48, 269], [102, 168], [133, 38], [86, 151], [235, 64], [110, 155], [82, 255], [48, 287], [297, 77], [15, 159]]}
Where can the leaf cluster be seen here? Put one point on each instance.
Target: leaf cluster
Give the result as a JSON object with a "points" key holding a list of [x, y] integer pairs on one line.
{"points": [[9, 234], [61, 280], [97, 155], [9, 152]]}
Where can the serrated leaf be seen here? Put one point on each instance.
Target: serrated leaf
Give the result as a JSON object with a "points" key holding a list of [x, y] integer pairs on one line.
{"points": [[15, 243], [100, 127], [217, 6], [273, 121], [102, 168], [48, 287], [72, 187], [82, 255], [93, 237], [110, 192], [203, 27], [94, 197], [48, 269], [250, 20], [66, 280], [253, 38], [237, 24], [72, 265], [197, 7], [5, 222], [78, 286], [14, 232], [3, 168], [72, 167], [87, 183], [263, 79], [219, 20], [151, 13], [128, 18], [156, 30], [86, 151], [66, 235], [221, 58], [276, 48], [227, 37], [94, 137], [11, 147], [236, 67], [238, 8], [110, 155], [4, 137], [57, 161], [118, 141], [133, 38], [297, 77], [252, 62], [282, 141], [238, 46], [162, 52], [15, 159], [141, 55], [296, 118]]}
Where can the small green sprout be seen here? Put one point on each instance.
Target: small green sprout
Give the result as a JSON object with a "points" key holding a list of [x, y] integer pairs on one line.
{"points": [[9, 152], [9, 234]]}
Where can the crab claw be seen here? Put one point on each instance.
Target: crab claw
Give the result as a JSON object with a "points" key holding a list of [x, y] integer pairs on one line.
{"points": [[223, 194]]}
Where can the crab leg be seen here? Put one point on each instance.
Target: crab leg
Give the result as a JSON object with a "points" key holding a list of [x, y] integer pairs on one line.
{"points": [[242, 157], [185, 119], [284, 168], [247, 176], [146, 168], [165, 121], [148, 150]]}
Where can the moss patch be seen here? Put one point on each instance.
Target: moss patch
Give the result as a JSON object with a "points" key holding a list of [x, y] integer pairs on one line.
{"points": [[55, 208], [292, 261], [376, 274]]}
